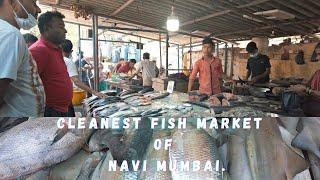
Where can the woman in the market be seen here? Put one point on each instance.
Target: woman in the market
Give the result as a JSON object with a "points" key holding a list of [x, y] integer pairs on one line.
{"points": [[311, 94]]}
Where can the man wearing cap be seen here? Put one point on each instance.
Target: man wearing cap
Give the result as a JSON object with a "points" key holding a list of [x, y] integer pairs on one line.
{"points": [[209, 69], [258, 65]]}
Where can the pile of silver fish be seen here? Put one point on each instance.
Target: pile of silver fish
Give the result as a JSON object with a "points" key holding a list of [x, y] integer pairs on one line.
{"points": [[242, 112], [122, 104]]}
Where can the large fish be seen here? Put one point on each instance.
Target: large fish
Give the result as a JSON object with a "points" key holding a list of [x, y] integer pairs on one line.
{"points": [[89, 165], [314, 165], [269, 156], [6, 123], [130, 95], [290, 123], [126, 92], [308, 137], [145, 90], [192, 145], [152, 156], [96, 142], [26, 148], [102, 171], [70, 168], [239, 163], [107, 112], [136, 140]]}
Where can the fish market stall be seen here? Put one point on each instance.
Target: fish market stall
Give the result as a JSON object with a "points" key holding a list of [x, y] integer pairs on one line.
{"points": [[131, 103]]}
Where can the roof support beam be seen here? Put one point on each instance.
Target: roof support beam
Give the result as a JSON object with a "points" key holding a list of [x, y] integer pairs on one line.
{"points": [[269, 26], [215, 14], [117, 11]]}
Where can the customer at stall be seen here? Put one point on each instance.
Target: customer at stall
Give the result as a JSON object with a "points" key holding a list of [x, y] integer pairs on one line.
{"points": [[149, 70], [127, 67], [258, 65], [21, 89], [311, 94], [119, 65], [30, 39], [52, 68], [85, 68], [72, 69], [209, 69]]}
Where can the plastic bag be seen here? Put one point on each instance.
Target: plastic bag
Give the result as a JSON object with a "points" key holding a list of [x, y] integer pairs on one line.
{"points": [[290, 101]]}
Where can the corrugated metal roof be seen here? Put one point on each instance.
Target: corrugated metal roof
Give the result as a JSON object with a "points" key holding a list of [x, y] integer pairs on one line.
{"points": [[226, 19]]}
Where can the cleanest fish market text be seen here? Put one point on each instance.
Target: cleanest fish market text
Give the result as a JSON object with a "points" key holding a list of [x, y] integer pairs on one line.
{"points": [[158, 123]]}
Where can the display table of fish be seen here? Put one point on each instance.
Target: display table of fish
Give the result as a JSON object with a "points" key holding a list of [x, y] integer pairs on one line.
{"points": [[268, 155], [27, 147]]}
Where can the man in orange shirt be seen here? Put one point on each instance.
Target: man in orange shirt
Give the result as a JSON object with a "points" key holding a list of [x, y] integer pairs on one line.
{"points": [[209, 69]]}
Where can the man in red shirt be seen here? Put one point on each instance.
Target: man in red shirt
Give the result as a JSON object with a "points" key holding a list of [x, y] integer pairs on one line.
{"points": [[209, 69], [51, 66], [311, 94], [128, 66]]}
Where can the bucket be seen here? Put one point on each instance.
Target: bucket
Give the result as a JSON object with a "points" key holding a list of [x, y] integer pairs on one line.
{"points": [[78, 96]]}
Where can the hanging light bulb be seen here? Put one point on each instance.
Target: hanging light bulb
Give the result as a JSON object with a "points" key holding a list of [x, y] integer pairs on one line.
{"points": [[173, 22]]}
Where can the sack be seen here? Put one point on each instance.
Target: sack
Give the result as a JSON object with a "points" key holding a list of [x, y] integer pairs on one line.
{"points": [[285, 55], [290, 101], [300, 58]]}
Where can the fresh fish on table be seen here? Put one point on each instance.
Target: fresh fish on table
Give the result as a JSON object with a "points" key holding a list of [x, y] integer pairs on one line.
{"points": [[102, 171], [130, 99], [6, 123], [107, 112], [126, 92], [136, 141], [69, 168], [268, 155], [308, 137], [105, 101], [242, 112], [90, 99], [152, 156], [145, 90], [130, 95], [160, 96], [289, 123], [109, 92], [89, 165], [239, 163], [200, 104], [119, 114], [96, 142], [193, 144], [37, 135], [314, 165], [117, 104], [151, 111]]}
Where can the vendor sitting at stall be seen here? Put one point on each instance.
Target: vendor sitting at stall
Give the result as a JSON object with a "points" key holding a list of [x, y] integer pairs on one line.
{"points": [[127, 67], [72, 69], [258, 65], [209, 69], [311, 92]]}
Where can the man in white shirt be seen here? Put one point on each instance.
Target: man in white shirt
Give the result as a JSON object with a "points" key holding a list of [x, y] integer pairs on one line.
{"points": [[149, 70], [72, 69], [21, 89]]}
